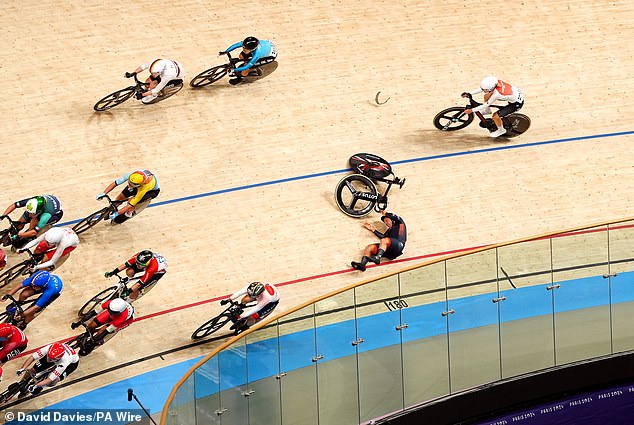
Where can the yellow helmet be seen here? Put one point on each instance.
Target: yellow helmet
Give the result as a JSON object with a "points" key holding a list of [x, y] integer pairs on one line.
{"points": [[138, 178]]}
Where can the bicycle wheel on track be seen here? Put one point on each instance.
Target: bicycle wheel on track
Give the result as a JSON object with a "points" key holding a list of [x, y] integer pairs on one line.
{"points": [[114, 99], [168, 91], [97, 299], [445, 118], [370, 165], [211, 326], [209, 76], [7, 276], [515, 124], [356, 195], [91, 220]]}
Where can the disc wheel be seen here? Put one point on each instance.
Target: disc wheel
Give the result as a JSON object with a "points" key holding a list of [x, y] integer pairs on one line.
{"points": [[370, 165], [14, 272], [444, 120], [515, 124], [91, 220], [356, 195], [209, 76], [211, 326], [96, 300], [114, 99]]}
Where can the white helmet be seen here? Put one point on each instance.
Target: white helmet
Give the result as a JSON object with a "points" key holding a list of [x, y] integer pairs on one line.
{"points": [[157, 66], [488, 83], [117, 305], [54, 235]]}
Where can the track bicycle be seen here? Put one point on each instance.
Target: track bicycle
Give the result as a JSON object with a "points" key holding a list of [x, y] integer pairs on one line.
{"points": [[230, 314], [121, 290], [13, 229], [120, 96], [215, 73], [454, 118], [21, 388], [23, 268], [86, 342], [14, 309], [357, 194], [99, 215]]}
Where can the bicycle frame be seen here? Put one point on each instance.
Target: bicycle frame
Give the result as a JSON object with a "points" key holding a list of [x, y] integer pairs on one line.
{"points": [[7, 233]]}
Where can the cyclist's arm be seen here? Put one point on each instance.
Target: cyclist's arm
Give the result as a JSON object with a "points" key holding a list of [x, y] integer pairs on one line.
{"points": [[494, 97], [34, 242], [234, 46], [254, 58], [58, 253], [42, 221], [263, 300]]}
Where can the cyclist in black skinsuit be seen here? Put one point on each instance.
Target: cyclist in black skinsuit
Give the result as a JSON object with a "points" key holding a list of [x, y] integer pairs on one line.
{"points": [[391, 244]]}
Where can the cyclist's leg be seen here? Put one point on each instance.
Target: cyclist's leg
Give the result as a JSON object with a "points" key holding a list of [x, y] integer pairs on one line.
{"points": [[145, 201], [369, 251]]}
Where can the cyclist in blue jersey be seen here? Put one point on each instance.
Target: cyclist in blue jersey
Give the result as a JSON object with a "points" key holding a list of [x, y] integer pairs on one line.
{"points": [[47, 285], [254, 53], [40, 211]]}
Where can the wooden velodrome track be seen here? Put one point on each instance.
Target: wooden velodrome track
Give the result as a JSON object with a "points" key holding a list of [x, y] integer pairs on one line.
{"points": [[571, 59]]}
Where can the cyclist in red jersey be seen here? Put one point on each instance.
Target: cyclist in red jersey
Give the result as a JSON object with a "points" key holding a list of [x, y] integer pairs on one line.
{"points": [[3, 259], [12, 342], [107, 319], [152, 264]]}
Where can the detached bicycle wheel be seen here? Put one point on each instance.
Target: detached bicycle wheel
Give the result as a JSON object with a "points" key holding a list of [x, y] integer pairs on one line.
{"points": [[96, 300], [211, 326], [14, 272], [370, 165], [91, 220], [356, 195], [515, 124], [209, 76], [114, 99], [447, 119]]}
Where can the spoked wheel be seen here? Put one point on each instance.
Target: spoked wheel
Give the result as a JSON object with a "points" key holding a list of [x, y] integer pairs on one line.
{"points": [[14, 272], [114, 99], [356, 195], [211, 326], [97, 299], [515, 124], [91, 220], [370, 165], [209, 76], [169, 91], [447, 119]]}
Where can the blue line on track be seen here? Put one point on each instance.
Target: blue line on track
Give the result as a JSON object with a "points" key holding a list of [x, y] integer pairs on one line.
{"points": [[404, 161]]}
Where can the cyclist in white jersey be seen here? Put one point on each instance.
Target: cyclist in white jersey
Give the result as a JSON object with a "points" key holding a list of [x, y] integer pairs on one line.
{"points": [[162, 71], [495, 90], [63, 239]]}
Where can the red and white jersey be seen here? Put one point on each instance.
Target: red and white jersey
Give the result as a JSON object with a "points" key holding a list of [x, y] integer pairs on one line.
{"points": [[269, 295], [158, 264], [70, 356], [64, 238], [117, 321], [504, 92]]}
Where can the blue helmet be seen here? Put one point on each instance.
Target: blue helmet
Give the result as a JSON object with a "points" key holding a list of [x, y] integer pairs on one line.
{"points": [[40, 279]]}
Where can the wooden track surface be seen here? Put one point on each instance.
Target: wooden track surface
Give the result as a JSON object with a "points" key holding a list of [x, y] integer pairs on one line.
{"points": [[317, 109]]}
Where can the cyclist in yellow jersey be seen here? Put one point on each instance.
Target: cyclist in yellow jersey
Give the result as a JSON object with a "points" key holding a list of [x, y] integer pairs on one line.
{"points": [[142, 187]]}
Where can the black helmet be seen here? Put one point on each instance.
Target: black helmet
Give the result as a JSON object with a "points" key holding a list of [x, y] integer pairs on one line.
{"points": [[255, 289], [251, 43], [143, 258]]}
